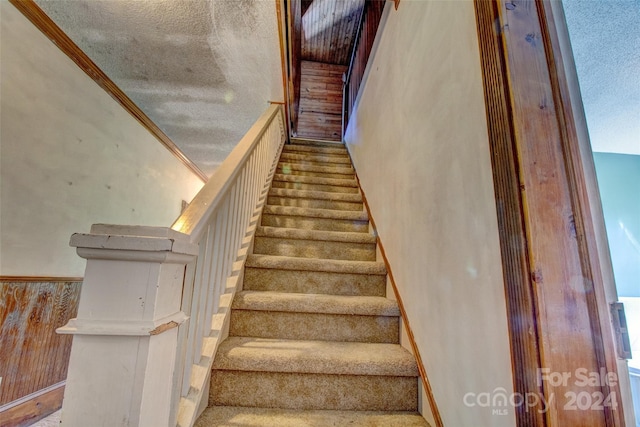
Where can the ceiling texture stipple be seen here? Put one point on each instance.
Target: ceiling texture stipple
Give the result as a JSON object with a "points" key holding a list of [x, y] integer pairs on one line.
{"points": [[202, 70], [606, 46]]}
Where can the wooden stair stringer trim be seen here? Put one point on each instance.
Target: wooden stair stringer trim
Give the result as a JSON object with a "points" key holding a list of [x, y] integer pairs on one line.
{"points": [[195, 402], [435, 412]]}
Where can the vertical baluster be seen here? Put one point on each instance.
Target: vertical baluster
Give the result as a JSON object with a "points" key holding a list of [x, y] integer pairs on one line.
{"points": [[257, 178], [249, 198], [239, 219], [203, 290], [233, 193], [195, 304], [205, 312], [222, 223], [183, 369], [240, 212]]}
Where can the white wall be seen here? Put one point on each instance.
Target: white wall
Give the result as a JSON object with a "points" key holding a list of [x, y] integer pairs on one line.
{"points": [[70, 156], [419, 142]]}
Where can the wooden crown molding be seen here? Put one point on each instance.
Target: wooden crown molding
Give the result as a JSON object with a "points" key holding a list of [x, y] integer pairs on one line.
{"points": [[50, 29]]}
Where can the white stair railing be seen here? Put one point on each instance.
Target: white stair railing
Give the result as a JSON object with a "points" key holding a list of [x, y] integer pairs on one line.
{"points": [[143, 335]]}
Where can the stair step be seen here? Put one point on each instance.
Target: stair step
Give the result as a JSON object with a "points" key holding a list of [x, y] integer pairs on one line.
{"points": [[317, 195], [292, 168], [314, 357], [296, 185], [316, 158], [315, 244], [235, 416], [315, 276], [292, 316], [313, 391], [328, 236], [316, 265], [315, 219], [314, 375], [316, 142], [321, 149], [344, 182], [315, 199]]}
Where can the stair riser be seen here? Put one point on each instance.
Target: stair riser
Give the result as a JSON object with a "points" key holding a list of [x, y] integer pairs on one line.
{"points": [[317, 158], [317, 174], [314, 203], [316, 167], [315, 223], [313, 391], [314, 326], [323, 150], [314, 187], [313, 282], [348, 182], [315, 249]]}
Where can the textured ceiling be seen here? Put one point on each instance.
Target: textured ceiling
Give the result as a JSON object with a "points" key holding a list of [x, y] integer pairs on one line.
{"points": [[202, 70], [606, 46]]}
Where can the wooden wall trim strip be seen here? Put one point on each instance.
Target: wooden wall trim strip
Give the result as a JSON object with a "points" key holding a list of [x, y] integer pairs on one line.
{"points": [[281, 17], [584, 222], [414, 346], [40, 279], [50, 29], [568, 305], [520, 300], [31, 396], [33, 407]]}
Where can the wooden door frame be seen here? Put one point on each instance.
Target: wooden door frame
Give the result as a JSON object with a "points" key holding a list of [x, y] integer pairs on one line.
{"points": [[540, 149]]}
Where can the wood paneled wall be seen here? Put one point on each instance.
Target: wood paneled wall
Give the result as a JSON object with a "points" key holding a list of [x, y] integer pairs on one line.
{"points": [[321, 101], [33, 357], [328, 30]]}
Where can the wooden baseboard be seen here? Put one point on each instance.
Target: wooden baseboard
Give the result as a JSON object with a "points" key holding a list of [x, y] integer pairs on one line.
{"points": [[32, 408]]}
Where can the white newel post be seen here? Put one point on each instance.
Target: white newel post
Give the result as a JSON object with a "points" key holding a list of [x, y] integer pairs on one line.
{"points": [[121, 370]]}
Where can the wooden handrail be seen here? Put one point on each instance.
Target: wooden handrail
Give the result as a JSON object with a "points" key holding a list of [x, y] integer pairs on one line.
{"points": [[193, 220]]}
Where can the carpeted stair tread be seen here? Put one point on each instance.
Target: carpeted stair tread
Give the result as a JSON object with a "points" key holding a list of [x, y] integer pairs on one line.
{"points": [[314, 357], [316, 158], [311, 264], [316, 213], [237, 416], [315, 303], [319, 235], [295, 148], [336, 182], [316, 195], [292, 167]]}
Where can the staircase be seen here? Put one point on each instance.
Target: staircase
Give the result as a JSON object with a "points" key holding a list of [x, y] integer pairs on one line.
{"points": [[313, 341]]}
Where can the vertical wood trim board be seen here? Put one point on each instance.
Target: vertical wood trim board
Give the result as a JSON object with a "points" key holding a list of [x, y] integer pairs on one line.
{"points": [[283, 61], [50, 29], [552, 273], [521, 309], [600, 320]]}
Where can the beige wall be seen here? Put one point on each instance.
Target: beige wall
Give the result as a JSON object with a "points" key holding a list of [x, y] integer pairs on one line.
{"points": [[70, 156], [419, 143]]}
